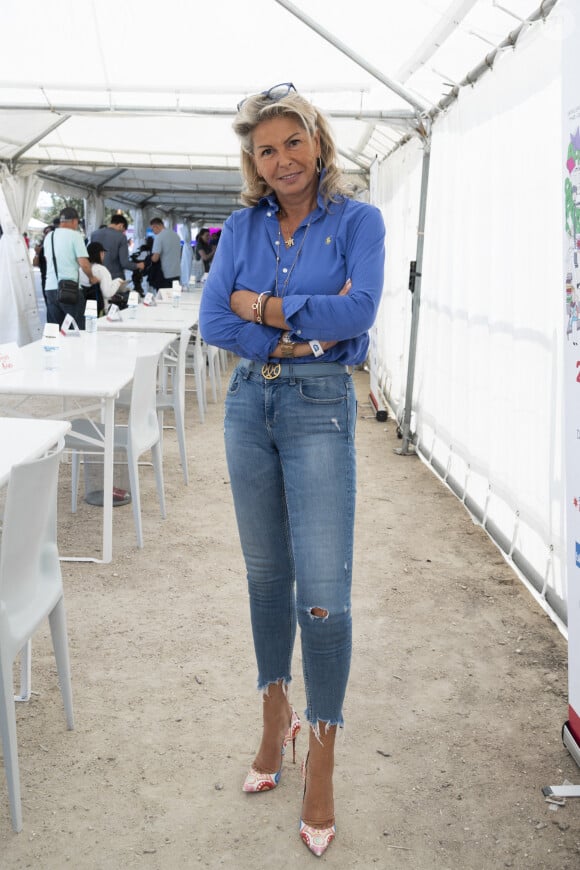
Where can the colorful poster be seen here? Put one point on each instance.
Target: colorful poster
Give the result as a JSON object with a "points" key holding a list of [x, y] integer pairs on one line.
{"points": [[571, 191]]}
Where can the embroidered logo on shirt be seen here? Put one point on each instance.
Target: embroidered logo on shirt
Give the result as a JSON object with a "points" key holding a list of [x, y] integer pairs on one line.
{"points": [[328, 240]]}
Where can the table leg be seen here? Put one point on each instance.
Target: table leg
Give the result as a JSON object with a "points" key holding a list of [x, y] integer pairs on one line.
{"points": [[108, 457]]}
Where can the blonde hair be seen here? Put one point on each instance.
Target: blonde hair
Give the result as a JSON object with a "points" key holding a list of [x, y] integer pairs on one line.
{"points": [[260, 108]]}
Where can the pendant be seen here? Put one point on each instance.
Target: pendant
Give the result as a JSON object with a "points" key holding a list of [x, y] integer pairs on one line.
{"points": [[289, 242]]}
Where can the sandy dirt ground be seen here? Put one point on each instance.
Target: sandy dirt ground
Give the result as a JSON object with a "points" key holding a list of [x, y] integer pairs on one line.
{"points": [[457, 696]]}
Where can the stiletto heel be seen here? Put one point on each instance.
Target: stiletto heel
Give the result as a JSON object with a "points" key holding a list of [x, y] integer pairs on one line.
{"points": [[316, 839], [256, 781]]}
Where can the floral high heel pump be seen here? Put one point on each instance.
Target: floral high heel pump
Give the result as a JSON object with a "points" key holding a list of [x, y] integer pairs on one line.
{"points": [[256, 781], [316, 839]]}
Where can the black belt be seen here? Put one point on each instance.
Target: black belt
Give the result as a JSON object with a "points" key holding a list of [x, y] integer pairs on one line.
{"points": [[272, 370]]}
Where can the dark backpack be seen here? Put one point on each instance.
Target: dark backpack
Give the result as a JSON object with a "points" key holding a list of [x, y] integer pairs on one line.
{"points": [[120, 299]]}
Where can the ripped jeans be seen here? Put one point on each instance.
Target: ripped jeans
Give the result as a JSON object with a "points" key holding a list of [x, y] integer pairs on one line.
{"points": [[291, 458]]}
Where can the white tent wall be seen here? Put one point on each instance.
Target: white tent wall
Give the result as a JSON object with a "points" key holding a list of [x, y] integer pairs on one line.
{"points": [[139, 228], [396, 189], [94, 212], [487, 396], [19, 317]]}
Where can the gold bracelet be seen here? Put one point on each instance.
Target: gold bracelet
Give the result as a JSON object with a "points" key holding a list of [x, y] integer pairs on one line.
{"points": [[257, 308], [263, 307], [286, 344]]}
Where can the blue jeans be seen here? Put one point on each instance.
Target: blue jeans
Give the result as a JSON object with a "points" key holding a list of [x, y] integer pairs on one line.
{"points": [[291, 458], [56, 311]]}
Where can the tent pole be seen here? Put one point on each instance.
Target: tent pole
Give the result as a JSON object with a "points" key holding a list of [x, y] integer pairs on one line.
{"points": [[390, 83], [26, 147], [415, 287]]}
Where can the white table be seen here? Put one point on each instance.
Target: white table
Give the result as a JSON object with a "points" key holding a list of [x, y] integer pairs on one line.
{"points": [[155, 318], [188, 297], [93, 370], [23, 439]]}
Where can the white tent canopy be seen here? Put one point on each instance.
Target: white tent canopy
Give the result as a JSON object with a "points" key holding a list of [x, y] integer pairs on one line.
{"points": [[134, 102]]}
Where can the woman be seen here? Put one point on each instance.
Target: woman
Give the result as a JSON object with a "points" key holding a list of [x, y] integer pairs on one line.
{"points": [[107, 286], [204, 250], [294, 288]]}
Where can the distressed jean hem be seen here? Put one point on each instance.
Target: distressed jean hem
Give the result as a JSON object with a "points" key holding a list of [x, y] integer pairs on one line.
{"points": [[264, 687], [328, 724]]}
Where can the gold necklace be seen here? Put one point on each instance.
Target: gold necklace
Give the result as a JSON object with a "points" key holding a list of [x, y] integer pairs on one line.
{"points": [[289, 242], [288, 276]]}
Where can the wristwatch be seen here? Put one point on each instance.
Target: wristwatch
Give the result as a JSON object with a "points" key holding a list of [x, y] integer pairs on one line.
{"points": [[287, 345]]}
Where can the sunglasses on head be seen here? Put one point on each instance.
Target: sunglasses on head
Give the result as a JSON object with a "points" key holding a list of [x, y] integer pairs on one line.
{"points": [[275, 93]]}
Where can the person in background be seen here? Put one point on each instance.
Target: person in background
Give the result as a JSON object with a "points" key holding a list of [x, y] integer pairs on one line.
{"points": [[114, 241], [294, 289], [204, 250], [106, 286], [66, 246], [143, 255], [167, 252], [40, 257]]}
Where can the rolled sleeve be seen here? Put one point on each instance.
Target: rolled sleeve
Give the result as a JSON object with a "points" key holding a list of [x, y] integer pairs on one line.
{"points": [[217, 322], [336, 318]]}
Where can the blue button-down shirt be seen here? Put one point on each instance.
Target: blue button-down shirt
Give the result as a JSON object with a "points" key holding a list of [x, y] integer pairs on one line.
{"points": [[347, 240]]}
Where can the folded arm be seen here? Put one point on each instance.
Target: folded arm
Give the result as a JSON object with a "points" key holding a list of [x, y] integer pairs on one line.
{"points": [[229, 318]]}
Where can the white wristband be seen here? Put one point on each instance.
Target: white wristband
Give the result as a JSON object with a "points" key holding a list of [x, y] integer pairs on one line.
{"points": [[316, 348]]}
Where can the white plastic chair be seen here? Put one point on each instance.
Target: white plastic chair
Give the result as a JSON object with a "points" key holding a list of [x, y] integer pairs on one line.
{"points": [[205, 361], [224, 360], [195, 355], [30, 591], [171, 395], [214, 370], [141, 434]]}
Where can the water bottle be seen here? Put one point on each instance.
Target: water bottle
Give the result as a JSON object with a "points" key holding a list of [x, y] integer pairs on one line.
{"points": [[91, 316], [176, 297], [132, 304], [51, 346]]}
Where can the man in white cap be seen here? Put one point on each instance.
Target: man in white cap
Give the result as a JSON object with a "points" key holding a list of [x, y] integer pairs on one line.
{"points": [[65, 252]]}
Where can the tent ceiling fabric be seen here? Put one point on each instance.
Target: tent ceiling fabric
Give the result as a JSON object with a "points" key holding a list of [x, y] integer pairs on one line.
{"points": [[135, 101]]}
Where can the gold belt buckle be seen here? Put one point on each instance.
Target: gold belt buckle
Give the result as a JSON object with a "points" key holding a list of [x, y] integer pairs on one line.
{"points": [[271, 371]]}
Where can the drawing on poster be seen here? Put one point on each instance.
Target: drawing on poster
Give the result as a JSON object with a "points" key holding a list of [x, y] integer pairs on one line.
{"points": [[572, 220]]}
